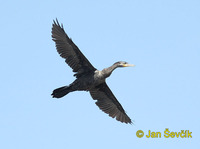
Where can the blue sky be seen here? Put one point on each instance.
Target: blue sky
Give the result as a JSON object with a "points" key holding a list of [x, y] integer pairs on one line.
{"points": [[160, 37]]}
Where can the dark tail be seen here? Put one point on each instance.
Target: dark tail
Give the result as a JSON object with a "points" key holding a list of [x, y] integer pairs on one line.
{"points": [[60, 92]]}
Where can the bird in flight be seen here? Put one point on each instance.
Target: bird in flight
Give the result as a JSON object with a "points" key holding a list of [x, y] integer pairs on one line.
{"points": [[88, 78]]}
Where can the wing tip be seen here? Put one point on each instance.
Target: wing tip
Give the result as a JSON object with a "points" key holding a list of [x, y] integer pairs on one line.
{"points": [[119, 116], [56, 23]]}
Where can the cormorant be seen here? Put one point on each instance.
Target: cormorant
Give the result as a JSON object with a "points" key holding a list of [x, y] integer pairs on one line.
{"points": [[88, 78]]}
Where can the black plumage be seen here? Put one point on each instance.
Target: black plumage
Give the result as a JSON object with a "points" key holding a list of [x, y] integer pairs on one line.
{"points": [[88, 78]]}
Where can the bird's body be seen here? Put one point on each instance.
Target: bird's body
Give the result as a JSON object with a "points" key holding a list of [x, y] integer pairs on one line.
{"points": [[88, 81], [88, 78]]}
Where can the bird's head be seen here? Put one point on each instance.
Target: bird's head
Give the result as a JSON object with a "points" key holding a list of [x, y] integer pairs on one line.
{"points": [[107, 71], [123, 64]]}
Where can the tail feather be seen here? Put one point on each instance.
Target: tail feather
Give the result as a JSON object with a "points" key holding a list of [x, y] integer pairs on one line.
{"points": [[60, 92]]}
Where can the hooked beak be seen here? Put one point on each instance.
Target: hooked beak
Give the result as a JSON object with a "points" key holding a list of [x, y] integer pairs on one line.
{"points": [[128, 65]]}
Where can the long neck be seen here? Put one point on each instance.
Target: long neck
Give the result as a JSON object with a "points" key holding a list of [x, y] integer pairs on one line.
{"points": [[107, 71]]}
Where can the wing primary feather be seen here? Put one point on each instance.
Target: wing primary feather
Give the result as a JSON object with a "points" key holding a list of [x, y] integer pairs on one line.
{"points": [[107, 102]]}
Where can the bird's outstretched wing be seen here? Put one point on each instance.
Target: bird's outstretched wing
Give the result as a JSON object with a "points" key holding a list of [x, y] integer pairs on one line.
{"points": [[107, 102], [69, 51]]}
